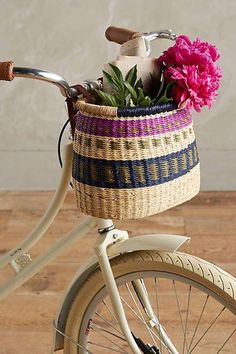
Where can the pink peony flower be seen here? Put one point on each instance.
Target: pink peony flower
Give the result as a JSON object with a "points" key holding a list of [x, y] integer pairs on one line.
{"points": [[192, 66], [185, 52], [196, 87]]}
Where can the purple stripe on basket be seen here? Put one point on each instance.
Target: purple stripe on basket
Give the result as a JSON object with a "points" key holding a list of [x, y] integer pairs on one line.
{"points": [[118, 128]]}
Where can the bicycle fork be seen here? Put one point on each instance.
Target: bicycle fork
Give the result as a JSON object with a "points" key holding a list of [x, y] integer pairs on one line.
{"points": [[109, 236]]}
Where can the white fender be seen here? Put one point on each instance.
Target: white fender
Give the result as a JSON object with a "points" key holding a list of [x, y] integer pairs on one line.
{"points": [[160, 242]]}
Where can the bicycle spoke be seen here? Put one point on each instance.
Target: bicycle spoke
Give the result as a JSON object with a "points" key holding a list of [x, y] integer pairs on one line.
{"points": [[181, 319], [107, 331], [231, 335], [207, 330], [133, 311], [103, 346], [110, 312], [108, 322], [99, 332], [198, 323], [186, 321], [70, 339], [158, 313]]}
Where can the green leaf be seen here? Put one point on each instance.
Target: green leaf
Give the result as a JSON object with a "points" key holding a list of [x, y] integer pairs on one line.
{"points": [[121, 102], [132, 92], [109, 78], [141, 96], [117, 74], [138, 84], [131, 77], [164, 99], [146, 102], [118, 88], [169, 88], [107, 99], [161, 89], [131, 103]]}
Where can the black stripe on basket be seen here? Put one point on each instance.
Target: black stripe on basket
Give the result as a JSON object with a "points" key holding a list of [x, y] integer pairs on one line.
{"points": [[146, 111], [134, 174]]}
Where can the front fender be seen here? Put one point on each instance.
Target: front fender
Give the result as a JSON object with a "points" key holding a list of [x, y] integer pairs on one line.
{"points": [[160, 242]]}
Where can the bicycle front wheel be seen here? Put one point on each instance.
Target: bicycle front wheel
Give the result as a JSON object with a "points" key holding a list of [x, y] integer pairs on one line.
{"points": [[194, 301]]}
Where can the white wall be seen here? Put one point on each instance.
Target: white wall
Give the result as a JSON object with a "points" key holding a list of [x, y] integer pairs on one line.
{"points": [[67, 37]]}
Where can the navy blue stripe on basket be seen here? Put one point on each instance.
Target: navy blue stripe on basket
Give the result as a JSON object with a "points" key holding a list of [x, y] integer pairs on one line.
{"points": [[146, 111], [134, 173]]}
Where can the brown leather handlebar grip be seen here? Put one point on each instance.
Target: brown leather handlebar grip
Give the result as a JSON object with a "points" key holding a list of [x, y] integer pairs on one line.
{"points": [[6, 70], [120, 35]]}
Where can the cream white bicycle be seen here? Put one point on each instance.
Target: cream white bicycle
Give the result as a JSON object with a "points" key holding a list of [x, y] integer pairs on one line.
{"points": [[136, 294]]}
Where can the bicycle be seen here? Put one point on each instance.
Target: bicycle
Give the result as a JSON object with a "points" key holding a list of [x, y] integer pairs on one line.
{"points": [[119, 299]]}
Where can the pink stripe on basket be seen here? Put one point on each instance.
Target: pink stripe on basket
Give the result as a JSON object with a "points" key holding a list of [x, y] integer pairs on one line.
{"points": [[131, 127]]}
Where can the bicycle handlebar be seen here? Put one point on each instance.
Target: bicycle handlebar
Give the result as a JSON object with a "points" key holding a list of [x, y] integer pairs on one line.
{"points": [[47, 76], [8, 72], [120, 35]]}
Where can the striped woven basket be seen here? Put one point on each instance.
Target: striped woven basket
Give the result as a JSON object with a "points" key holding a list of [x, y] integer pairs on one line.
{"points": [[133, 162]]}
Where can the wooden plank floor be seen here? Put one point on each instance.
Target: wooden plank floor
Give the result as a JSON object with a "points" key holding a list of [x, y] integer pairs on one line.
{"points": [[26, 315]]}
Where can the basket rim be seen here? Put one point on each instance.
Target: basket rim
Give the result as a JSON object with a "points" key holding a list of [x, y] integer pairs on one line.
{"points": [[109, 111], [95, 109]]}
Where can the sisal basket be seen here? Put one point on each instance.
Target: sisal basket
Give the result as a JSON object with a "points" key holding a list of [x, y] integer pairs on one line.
{"points": [[133, 162]]}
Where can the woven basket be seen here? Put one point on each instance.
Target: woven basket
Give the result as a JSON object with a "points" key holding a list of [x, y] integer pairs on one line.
{"points": [[133, 162]]}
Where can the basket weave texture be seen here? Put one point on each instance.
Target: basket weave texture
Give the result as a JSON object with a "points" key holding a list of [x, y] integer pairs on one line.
{"points": [[129, 163]]}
